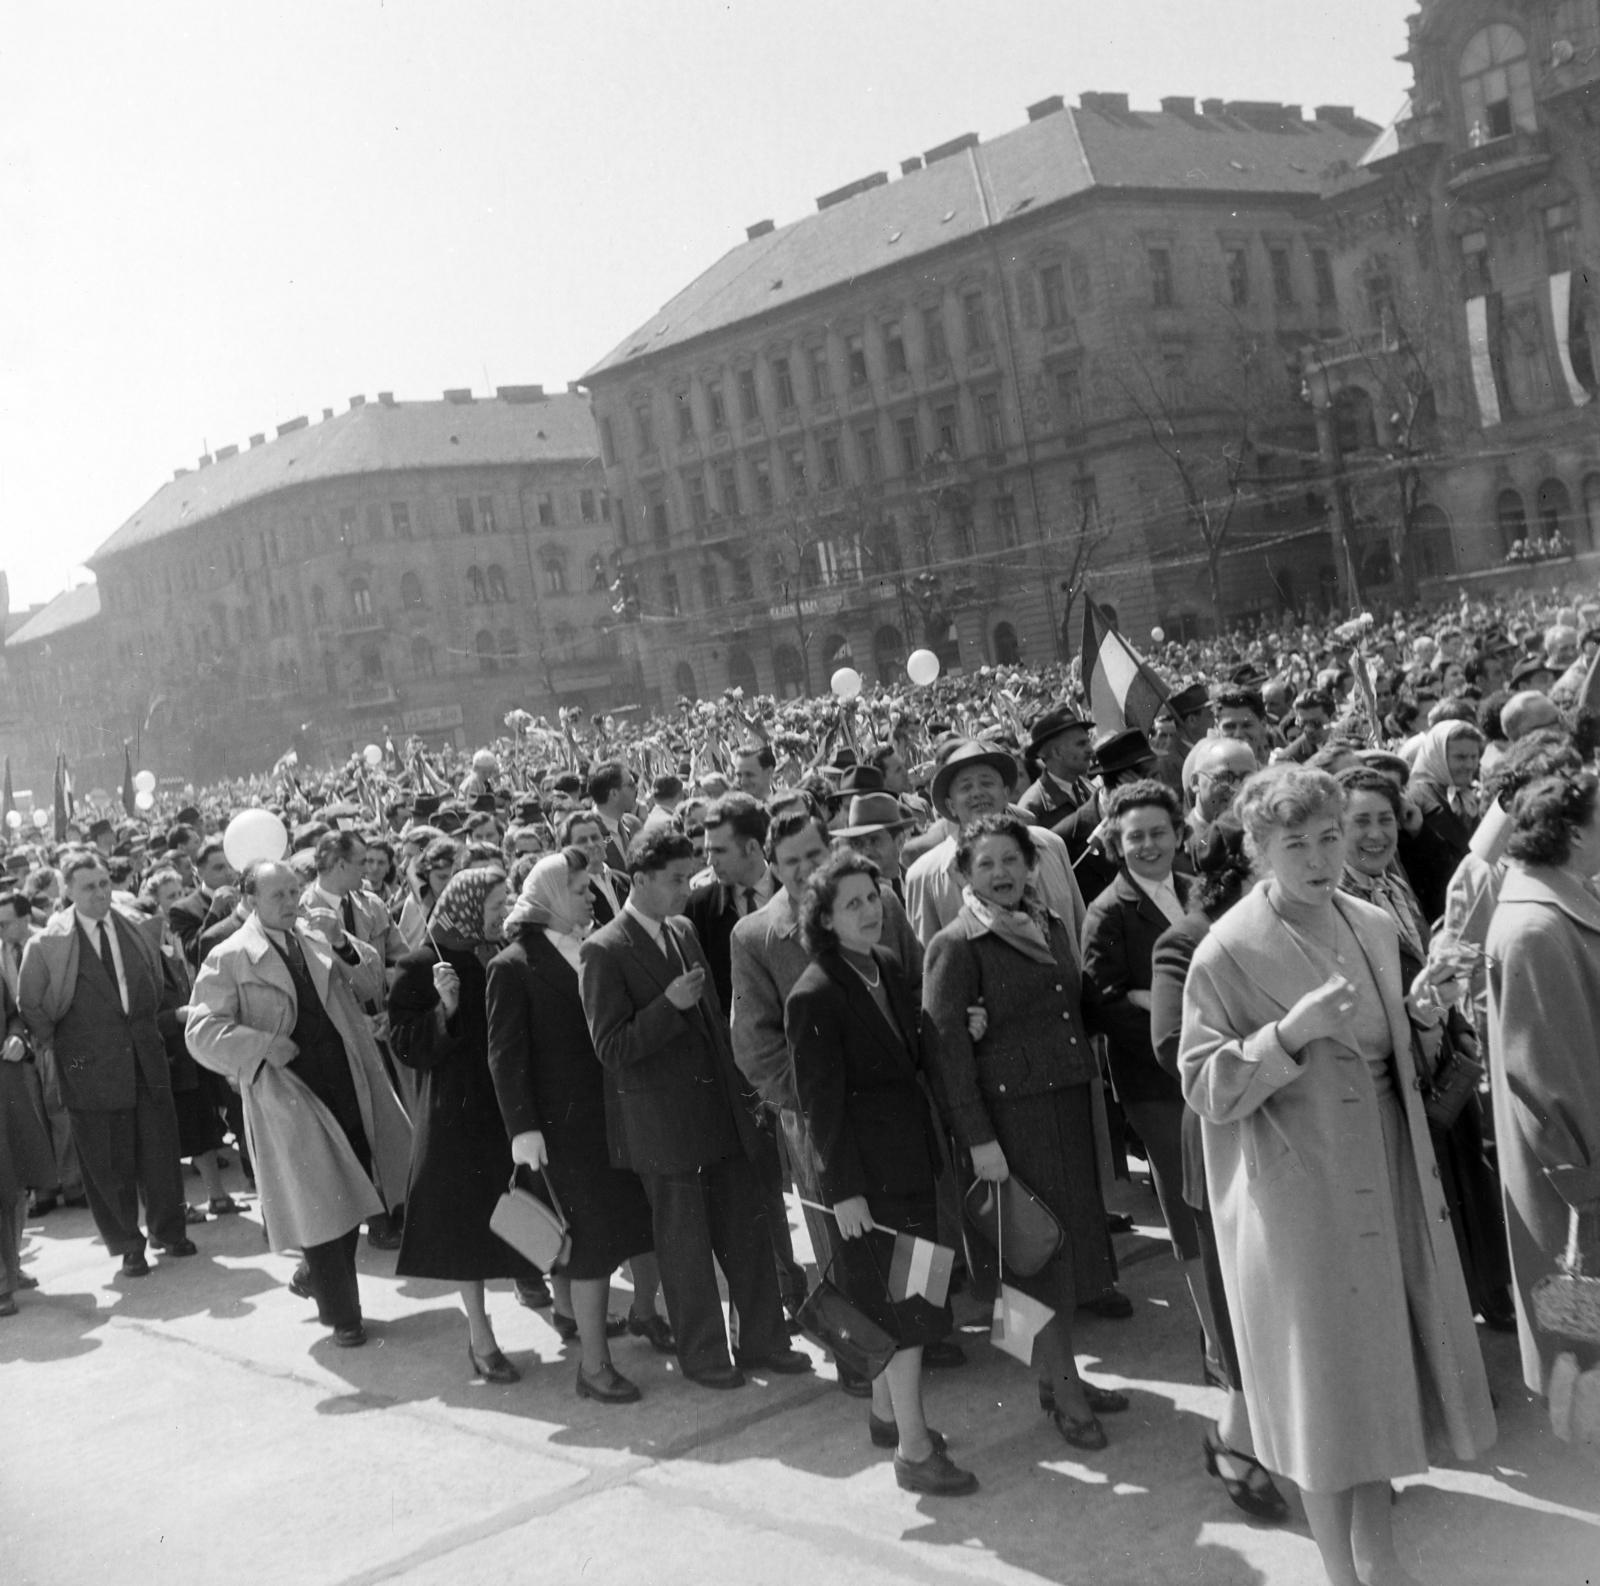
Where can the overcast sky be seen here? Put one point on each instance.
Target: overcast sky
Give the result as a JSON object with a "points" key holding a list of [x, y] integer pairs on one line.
{"points": [[216, 217]]}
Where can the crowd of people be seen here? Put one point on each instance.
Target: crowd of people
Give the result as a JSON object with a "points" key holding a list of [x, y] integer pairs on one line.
{"points": [[1319, 943]]}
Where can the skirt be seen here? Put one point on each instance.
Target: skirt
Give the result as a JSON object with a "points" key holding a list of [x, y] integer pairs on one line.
{"points": [[605, 1207], [199, 1123], [860, 1267]]}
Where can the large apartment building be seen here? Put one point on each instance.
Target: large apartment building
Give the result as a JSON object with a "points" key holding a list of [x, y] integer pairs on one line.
{"points": [[928, 413]]}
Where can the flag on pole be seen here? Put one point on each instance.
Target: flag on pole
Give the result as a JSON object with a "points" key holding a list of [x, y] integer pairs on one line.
{"points": [[7, 800], [1122, 689], [920, 1269], [63, 797], [128, 805]]}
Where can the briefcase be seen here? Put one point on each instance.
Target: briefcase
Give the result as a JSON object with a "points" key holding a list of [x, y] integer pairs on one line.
{"points": [[531, 1227], [1032, 1234]]}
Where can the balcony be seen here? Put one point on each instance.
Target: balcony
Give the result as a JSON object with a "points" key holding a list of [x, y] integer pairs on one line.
{"points": [[371, 694], [356, 624], [1499, 166], [1574, 82]]}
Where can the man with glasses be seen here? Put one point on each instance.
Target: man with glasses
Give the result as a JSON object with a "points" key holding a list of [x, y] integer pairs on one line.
{"points": [[1216, 773], [609, 888]]}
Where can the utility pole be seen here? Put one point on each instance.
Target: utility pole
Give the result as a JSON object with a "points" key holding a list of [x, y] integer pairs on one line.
{"points": [[1319, 389]]}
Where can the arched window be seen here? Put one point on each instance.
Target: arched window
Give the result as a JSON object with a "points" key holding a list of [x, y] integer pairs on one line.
{"points": [[361, 598], [488, 660], [555, 575], [788, 673], [684, 678], [1554, 507], [836, 653], [371, 663], [421, 657], [742, 673], [1591, 509], [319, 604], [411, 592], [476, 591], [1496, 85], [1007, 652], [888, 652], [508, 647], [1512, 518], [1432, 549], [497, 582]]}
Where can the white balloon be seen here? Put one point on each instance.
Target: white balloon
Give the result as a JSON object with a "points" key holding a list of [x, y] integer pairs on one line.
{"points": [[1159, 635], [41, 818], [846, 682], [253, 836], [373, 755], [13, 819], [144, 799], [144, 781], [922, 666]]}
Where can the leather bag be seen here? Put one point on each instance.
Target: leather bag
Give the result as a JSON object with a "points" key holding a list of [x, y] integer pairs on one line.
{"points": [[830, 1318], [532, 1227], [1032, 1234]]}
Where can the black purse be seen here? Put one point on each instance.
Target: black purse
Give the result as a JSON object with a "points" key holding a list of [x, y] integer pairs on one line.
{"points": [[1452, 1084], [830, 1318]]}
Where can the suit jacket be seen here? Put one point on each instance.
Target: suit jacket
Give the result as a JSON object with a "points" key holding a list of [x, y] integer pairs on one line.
{"points": [[374, 924], [1119, 938], [857, 1081], [1049, 804], [11, 1021], [194, 913], [603, 912], [713, 914], [215, 935], [1092, 868], [681, 1102], [90, 1047], [617, 842]]}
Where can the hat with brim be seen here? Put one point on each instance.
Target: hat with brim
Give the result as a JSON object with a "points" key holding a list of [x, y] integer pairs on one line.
{"points": [[1123, 751], [1052, 724], [861, 779], [1530, 669], [962, 755], [1188, 700], [874, 812]]}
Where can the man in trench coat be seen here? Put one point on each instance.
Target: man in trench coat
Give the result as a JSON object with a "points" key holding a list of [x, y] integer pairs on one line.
{"points": [[277, 1009]]}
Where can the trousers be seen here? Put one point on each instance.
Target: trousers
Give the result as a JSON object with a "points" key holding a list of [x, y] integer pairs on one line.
{"points": [[127, 1153], [330, 1273]]}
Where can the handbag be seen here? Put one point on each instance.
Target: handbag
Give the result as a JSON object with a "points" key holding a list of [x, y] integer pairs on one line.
{"points": [[828, 1316], [531, 1227], [1032, 1234], [1453, 1083], [1568, 1302]]}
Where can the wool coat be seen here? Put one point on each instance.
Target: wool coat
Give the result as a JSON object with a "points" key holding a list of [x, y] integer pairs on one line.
{"points": [[1305, 1222], [241, 1012], [1544, 1010]]}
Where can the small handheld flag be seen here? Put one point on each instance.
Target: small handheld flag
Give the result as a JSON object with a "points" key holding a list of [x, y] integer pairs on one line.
{"points": [[1018, 1317], [920, 1269]]}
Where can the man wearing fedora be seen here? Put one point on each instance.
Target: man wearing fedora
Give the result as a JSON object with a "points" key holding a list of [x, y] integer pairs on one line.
{"points": [[1059, 756], [972, 778], [1120, 757], [876, 827], [1191, 713]]}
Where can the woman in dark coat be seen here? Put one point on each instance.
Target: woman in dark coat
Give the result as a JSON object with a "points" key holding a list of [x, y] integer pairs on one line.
{"points": [[460, 1156], [551, 1091], [1017, 1098], [851, 1026], [1441, 786]]}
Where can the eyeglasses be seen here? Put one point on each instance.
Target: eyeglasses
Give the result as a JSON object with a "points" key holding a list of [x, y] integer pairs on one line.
{"points": [[1227, 778]]}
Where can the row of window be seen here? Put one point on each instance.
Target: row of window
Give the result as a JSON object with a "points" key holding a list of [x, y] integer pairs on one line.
{"points": [[1282, 275], [1561, 248]]}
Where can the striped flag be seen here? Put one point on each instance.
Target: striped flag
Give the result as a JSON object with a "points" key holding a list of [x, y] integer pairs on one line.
{"points": [[63, 799], [1122, 690], [1018, 1320], [920, 1269]]}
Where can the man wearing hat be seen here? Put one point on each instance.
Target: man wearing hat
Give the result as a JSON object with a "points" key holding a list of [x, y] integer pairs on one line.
{"points": [[1059, 755], [1534, 673], [978, 778], [103, 835], [1120, 757], [876, 827], [1191, 712]]}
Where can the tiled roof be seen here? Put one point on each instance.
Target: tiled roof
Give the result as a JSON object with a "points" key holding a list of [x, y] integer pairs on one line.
{"points": [[65, 611], [375, 438], [1059, 156]]}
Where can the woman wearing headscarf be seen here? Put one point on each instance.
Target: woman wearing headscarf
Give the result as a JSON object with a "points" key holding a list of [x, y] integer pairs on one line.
{"points": [[552, 1100], [460, 1157], [1443, 776]]}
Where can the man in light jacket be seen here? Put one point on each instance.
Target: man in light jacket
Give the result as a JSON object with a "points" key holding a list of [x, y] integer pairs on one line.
{"points": [[277, 1009]]}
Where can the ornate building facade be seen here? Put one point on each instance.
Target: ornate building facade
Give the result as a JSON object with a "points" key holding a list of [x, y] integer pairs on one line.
{"points": [[401, 567], [927, 414]]}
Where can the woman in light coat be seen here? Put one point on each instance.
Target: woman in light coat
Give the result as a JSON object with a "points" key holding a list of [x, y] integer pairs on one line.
{"points": [[1337, 1254]]}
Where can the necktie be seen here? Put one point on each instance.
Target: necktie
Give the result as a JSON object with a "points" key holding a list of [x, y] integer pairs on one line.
{"points": [[107, 959], [749, 900], [348, 909]]}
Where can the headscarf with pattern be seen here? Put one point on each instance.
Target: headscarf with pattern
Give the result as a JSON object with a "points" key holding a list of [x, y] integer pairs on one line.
{"points": [[459, 913]]}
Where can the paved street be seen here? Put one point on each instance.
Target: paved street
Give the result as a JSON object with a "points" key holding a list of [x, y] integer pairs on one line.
{"points": [[197, 1426]]}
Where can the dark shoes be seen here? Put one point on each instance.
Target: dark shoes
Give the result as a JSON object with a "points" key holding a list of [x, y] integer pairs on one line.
{"points": [[300, 1284], [654, 1327], [1500, 1313], [885, 1434], [852, 1383], [607, 1386], [1113, 1304], [492, 1366], [785, 1363], [42, 1205], [351, 1337], [934, 1476], [176, 1247], [943, 1354], [567, 1326], [1254, 1491], [533, 1293], [1086, 1434], [26, 1282], [383, 1234], [194, 1214], [134, 1265], [223, 1206], [721, 1377], [8, 1306], [1103, 1401]]}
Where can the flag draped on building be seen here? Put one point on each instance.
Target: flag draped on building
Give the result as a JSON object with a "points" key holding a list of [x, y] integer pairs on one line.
{"points": [[1123, 692], [128, 790], [63, 797]]}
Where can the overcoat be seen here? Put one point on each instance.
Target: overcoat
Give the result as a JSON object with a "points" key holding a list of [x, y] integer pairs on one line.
{"points": [[1544, 1009], [1306, 1231], [241, 1013]]}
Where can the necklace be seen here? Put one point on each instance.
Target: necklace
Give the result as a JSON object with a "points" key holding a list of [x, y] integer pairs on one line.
{"points": [[1302, 935], [877, 973]]}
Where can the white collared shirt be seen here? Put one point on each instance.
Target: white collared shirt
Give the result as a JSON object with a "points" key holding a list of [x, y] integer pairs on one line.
{"points": [[1163, 893], [91, 929], [763, 889], [654, 927]]}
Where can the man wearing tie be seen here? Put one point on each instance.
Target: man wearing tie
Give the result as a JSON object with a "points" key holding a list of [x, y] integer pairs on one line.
{"points": [[191, 916], [89, 989], [684, 1119]]}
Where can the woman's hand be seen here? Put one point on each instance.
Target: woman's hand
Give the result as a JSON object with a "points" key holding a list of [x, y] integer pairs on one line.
{"points": [[989, 1162], [853, 1217], [1443, 980], [977, 1021], [528, 1150], [1319, 1015], [448, 985]]}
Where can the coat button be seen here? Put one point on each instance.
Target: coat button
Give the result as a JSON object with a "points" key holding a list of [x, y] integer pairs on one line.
{"points": [[1002, 1090], [1066, 1015], [1416, 1083], [1436, 1172], [1061, 988], [1444, 1214]]}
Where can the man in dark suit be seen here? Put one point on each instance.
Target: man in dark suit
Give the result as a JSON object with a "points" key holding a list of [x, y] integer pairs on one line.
{"points": [[614, 793], [608, 888], [1059, 756], [685, 1119], [90, 986], [197, 911]]}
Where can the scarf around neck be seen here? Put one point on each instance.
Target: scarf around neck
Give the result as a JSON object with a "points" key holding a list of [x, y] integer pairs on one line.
{"points": [[459, 911], [547, 900], [1027, 929]]}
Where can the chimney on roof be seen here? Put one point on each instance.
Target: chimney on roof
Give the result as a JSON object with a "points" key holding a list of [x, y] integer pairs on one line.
{"points": [[520, 393], [575, 388], [461, 393], [386, 399], [1341, 116], [1106, 104], [913, 164], [178, 473], [1292, 114], [1211, 107], [1265, 115], [226, 451], [943, 151], [293, 425], [205, 459], [1178, 105], [1046, 107], [850, 189], [760, 229], [358, 402], [257, 440], [327, 413]]}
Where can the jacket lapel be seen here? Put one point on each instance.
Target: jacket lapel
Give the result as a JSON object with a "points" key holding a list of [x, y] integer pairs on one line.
{"points": [[864, 1006], [549, 968], [651, 958], [1267, 954], [268, 962]]}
